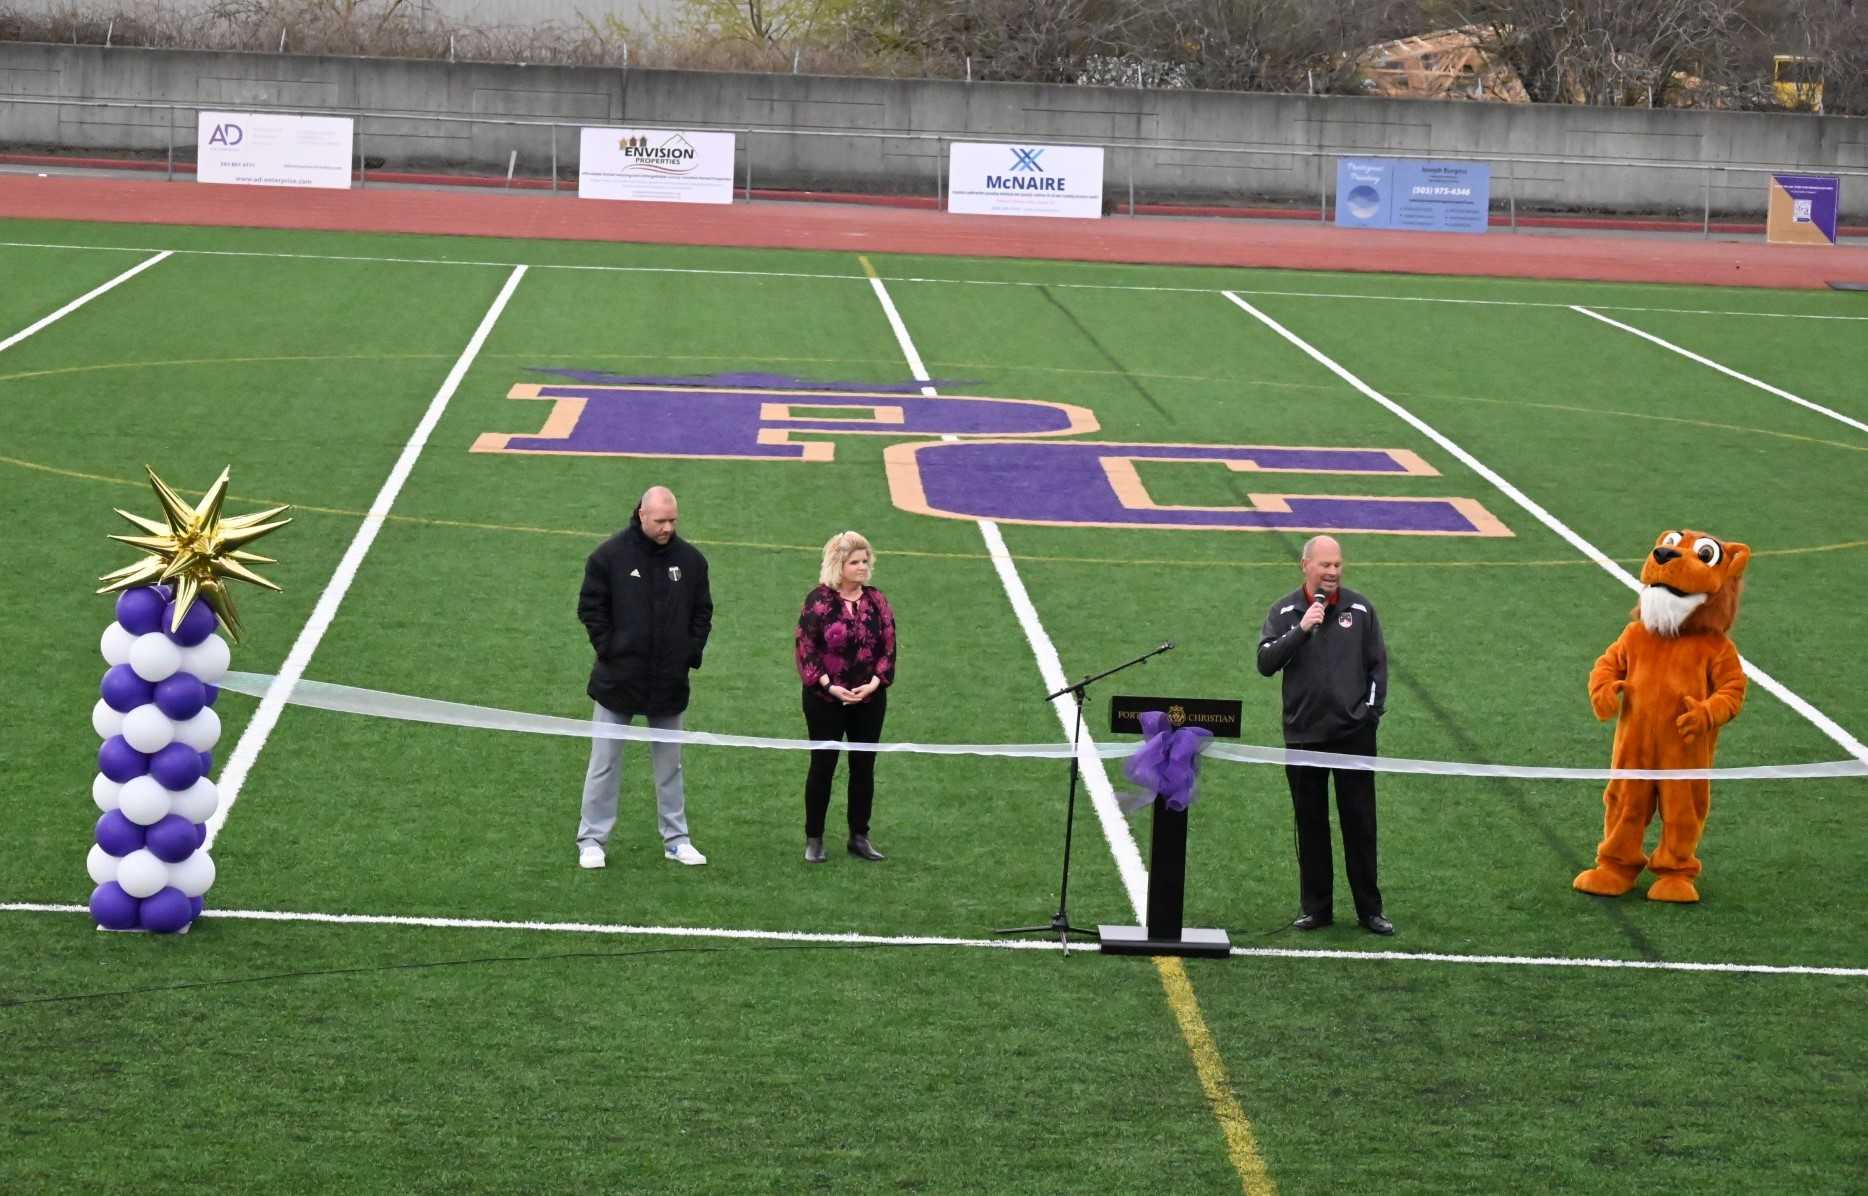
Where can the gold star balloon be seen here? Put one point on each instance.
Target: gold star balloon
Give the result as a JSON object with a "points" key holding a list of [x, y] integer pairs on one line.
{"points": [[195, 547]]}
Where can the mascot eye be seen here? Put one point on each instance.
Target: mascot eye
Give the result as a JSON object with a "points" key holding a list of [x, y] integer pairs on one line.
{"points": [[1707, 550], [1670, 540]]}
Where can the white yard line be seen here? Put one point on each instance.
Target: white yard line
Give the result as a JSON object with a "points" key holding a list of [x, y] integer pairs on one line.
{"points": [[929, 940], [1821, 721], [85, 298], [965, 282], [1121, 841], [1728, 371], [272, 705]]}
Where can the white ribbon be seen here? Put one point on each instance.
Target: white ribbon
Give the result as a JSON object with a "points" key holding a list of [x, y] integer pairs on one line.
{"points": [[323, 695]]}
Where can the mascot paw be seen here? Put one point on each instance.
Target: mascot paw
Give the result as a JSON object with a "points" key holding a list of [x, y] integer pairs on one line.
{"points": [[1606, 701], [1696, 720], [1603, 882], [1673, 888]]}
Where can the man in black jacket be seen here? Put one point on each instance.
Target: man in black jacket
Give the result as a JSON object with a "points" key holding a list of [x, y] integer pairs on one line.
{"points": [[1328, 643], [647, 608]]}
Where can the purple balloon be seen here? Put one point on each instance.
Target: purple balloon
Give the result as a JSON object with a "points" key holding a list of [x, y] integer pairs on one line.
{"points": [[176, 767], [112, 908], [201, 835], [117, 835], [119, 761], [214, 691], [179, 696], [198, 624], [123, 691], [171, 839], [140, 610], [199, 904], [166, 911], [207, 764]]}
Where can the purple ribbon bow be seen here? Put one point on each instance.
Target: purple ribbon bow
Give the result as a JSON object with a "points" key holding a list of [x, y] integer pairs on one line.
{"points": [[1167, 763]]}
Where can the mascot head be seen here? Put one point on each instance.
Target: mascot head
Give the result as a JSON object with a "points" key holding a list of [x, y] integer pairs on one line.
{"points": [[1690, 583]]}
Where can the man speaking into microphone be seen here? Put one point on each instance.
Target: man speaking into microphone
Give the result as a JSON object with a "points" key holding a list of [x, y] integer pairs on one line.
{"points": [[1326, 640]]}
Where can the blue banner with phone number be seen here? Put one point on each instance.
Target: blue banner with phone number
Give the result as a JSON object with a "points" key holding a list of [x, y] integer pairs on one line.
{"points": [[1451, 197]]}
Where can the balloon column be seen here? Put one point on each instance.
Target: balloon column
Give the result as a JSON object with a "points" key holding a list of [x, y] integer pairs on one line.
{"points": [[156, 709]]}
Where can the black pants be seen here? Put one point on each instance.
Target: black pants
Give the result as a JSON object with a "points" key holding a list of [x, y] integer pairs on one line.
{"points": [[1355, 809], [862, 723]]}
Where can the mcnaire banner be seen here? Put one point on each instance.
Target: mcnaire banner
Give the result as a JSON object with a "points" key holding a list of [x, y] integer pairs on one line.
{"points": [[1803, 209], [660, 165], [1025, 180], [1450, 197], [270, 149]]}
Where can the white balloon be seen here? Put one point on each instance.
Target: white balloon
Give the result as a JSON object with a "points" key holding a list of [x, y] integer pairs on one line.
{"points": [[147, 729], [208, 660], [106, 793], [155, 657], [116, 644], [105, 721], [194, 875], [141, 874], [202, 731], [101, 865], [197, 803], [144, 801]]}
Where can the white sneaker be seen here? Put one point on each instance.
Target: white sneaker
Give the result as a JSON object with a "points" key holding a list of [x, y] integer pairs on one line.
{"points": [[590, 856], [685, 854]]}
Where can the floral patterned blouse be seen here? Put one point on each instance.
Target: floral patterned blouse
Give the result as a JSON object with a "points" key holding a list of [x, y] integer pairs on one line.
{"points": [[850, 645]]}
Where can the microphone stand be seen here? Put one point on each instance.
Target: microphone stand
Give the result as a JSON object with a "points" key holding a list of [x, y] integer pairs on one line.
{"points": [[1060, 921]]}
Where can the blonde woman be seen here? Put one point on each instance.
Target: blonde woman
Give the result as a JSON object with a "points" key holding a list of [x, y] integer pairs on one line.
{"points": [[846, 658]]}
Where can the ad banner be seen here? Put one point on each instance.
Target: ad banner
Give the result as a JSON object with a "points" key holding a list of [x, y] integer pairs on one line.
{"points": [[270, 149], [1450, 197], [657, 165], [1025, 180]]}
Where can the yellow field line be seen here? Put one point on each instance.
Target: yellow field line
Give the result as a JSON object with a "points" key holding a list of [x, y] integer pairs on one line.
{"points": [[1241, 1146], [1241, 1143], [930, 554]]}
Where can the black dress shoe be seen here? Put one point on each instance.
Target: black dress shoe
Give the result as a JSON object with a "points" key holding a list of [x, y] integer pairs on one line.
{"points": [[1376, 924], [813, 849], [1311, 922], [859, 847]]}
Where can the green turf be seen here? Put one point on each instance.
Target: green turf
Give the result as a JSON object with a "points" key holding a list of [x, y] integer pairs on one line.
{"points": [[752, 1068]]}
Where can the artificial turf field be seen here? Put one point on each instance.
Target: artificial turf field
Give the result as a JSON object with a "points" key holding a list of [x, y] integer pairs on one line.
{"points": [[295, 1055]]}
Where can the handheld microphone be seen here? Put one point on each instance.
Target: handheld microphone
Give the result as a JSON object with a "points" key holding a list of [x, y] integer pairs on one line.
{"points": [[1324, 599]]}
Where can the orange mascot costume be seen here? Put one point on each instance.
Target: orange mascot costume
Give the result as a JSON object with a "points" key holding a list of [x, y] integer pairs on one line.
{"points": [[1675, 677]]}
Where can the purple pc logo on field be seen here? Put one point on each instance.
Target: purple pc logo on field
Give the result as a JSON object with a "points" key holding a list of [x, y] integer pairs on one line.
{"points": [[997, 459]]}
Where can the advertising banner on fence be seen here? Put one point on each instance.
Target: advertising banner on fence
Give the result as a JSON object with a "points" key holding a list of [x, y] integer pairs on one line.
{"points": [[1803, 209], [659, 165], [1025, 180], [1451, 197], [269, 149]]}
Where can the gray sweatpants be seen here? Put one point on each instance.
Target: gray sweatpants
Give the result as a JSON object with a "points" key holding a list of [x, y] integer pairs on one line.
{"points": [[603, 781]]}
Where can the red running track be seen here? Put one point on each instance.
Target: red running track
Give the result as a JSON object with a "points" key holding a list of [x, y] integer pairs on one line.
{"points": [[855, 229]]}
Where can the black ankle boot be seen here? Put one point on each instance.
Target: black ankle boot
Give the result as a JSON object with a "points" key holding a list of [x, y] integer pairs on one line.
{"points": [[814, 849], [859, 846]]}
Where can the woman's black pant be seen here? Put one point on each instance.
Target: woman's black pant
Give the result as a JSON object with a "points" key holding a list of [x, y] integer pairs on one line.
{"points": [[861, 723]]}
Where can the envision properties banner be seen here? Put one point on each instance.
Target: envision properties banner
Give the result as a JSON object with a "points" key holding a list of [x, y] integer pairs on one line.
{"points": [[1447, 197], [655, 164], [1025, 180]]}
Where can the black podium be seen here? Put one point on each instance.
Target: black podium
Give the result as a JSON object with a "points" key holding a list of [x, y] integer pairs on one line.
{"points": [[1167, 858]]}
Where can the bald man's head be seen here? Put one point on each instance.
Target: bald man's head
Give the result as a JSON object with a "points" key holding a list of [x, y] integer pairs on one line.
{"points": [[1323, 564], [657, 513]]}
